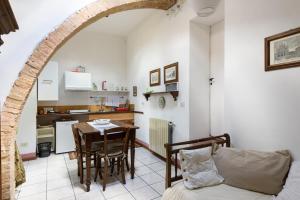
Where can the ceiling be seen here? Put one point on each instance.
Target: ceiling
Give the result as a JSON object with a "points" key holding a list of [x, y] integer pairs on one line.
{"points": [[121, 24], [214, 18]]}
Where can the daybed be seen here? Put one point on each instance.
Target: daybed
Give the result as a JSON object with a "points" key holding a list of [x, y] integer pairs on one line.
{"points": [[178, 191]]}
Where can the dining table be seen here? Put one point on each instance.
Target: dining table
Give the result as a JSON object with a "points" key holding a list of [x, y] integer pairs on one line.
{"points": [[92, 133]]}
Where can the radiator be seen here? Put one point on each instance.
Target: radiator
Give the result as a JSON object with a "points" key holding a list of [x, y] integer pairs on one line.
{"points": [[160, 133]]}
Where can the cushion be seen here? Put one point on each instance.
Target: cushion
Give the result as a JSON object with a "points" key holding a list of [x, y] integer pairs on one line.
{"points": [[218, 192], [263, 172], [198, 168], [291, 189]]}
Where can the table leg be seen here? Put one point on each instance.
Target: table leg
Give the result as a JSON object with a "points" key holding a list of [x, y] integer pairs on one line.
{"points": [[132, 154], [88, 164]]}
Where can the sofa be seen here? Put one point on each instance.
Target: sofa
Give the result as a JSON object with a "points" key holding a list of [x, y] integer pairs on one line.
{"points": [[248, 175]]}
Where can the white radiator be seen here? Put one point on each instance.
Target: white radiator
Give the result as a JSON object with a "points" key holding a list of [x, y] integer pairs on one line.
{"points": [[160, 133]]}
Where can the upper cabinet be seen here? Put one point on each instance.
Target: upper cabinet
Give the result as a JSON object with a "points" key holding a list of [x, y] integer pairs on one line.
{"points": [[78, 81], [48, 83]]}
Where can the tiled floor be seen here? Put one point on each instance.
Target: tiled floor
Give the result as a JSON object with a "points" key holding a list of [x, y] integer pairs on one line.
{"points": [[55, 178]]}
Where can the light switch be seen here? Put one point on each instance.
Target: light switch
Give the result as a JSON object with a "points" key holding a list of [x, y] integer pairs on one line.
{"points": [[182, 104]]}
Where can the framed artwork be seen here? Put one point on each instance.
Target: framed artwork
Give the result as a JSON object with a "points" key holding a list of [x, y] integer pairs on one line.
{"points": [[171, 73], [154, 77], [282, 50]]}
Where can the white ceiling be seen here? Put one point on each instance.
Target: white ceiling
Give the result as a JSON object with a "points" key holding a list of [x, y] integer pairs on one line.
{"points": [[216, 17], [121, 24]]}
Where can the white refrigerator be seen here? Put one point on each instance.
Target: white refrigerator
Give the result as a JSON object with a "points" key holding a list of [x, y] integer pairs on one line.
{"points": [[64, 136]]}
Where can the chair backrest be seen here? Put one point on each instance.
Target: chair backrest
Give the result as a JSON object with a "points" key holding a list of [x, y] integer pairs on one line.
{"points": [[121, 136], [77, 138]]}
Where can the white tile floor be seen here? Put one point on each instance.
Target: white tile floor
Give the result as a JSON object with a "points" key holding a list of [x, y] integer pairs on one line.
{"points": [[55, 178]]}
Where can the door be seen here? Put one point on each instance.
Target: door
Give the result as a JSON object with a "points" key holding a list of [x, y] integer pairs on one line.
{"points": [[217, 84], [64, 137]]}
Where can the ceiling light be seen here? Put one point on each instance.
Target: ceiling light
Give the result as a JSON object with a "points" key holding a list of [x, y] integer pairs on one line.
{"points": [[205, 12]]}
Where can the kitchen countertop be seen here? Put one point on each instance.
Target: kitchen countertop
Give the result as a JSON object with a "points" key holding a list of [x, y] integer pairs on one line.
{"points": [[88, 113]]}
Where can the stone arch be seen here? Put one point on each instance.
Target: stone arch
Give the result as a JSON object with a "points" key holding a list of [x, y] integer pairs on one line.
{"points": [[21, 88]]}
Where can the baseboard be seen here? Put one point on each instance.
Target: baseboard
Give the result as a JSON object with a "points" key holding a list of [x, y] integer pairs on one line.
{"points": [[146, 146], [28, 156]]}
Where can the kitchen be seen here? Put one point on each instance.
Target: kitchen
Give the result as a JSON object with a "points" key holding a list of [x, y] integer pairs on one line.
{"points": [[109, 103], [80, 83]]}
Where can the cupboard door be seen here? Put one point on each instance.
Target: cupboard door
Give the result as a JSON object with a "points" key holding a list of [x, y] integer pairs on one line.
{"points": [[48, 83]]}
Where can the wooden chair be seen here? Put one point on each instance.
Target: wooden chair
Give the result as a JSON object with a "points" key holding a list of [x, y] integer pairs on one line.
{"points": [[115, 148], [80, 151]]}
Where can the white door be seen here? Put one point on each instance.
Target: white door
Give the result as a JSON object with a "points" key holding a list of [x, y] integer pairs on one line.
{"points": [[217, 72], [48, 83], [64, 137]]}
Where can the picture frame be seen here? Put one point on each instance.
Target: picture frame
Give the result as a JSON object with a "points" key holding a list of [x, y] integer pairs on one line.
{"points": [[282, 50], [171, 73], [154, 77]]}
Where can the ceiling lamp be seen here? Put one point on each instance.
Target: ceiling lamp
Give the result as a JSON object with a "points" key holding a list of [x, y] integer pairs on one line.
{"points": [[205, 12], [204, 8]]}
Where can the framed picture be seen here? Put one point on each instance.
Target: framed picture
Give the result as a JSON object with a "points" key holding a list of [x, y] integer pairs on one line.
{"points": [[171, 73], [154, 77], [282, 50]]}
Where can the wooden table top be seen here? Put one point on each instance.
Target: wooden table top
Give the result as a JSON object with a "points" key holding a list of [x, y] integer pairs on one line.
{"points": [[85, 128]]}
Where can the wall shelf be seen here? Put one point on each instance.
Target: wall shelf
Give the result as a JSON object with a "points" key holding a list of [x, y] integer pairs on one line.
{"points": [[173, 93], [110, 91]]}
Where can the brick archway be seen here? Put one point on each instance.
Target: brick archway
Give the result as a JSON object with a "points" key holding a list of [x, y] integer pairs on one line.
{"points": [[14, 103]]}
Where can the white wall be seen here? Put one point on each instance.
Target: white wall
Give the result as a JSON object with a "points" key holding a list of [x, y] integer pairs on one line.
{"points": [[26, 132], [262, 109], [217, 72], [199, 80], [104, 56], [35, 19], [158, 41]]}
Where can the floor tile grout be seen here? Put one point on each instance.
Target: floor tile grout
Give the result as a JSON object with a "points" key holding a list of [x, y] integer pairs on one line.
{"points": [[68, 165], [70, 178]]}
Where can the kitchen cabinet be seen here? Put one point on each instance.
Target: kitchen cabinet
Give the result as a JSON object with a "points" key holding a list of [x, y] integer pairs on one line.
{"points": [[78, 81], [48, 83]]}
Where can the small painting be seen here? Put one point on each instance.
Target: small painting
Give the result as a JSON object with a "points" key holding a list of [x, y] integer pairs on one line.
{"points": [[155, 77], [283, 50], [171, 73]]}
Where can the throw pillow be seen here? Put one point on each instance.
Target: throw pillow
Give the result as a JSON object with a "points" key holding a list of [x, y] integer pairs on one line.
{"points": [[263, 172], [198, 168]]}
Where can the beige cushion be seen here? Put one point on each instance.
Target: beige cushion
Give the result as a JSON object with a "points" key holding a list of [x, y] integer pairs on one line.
{"points": [[218, 192], [263, 172], [198, 168]]}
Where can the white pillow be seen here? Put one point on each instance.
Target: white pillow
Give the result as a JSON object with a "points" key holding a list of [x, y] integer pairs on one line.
{"points": [[291, 189], [198, 168]]}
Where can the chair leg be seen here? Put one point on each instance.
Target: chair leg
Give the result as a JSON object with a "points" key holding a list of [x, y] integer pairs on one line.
{"points": [[123, 171], [105, 173], [78, 168], [118, 166], [97, 168], [112, 167], [127, 164], [100, 167], [95, 159], [81, 169]]}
